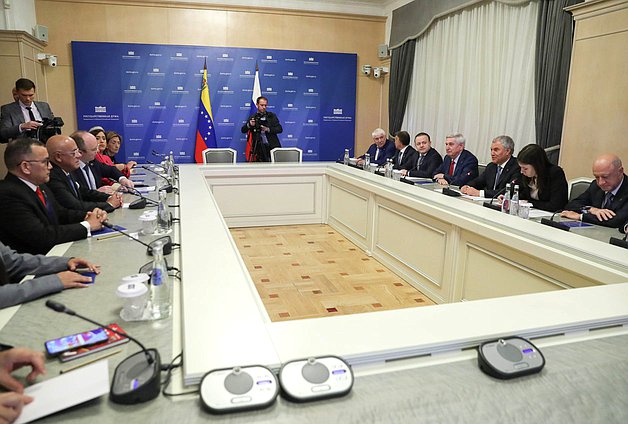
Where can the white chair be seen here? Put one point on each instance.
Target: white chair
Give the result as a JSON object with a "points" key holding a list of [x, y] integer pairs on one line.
{"points": [[286, 154], [226, 155], [577, 186]]}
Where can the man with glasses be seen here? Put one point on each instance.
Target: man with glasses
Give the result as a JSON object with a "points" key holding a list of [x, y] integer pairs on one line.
{"points": [[31, 220], [91, 172], [65, 157]]}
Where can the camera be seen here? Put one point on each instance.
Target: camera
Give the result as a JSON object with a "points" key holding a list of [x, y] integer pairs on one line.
{"points": [[377, 72], [260, 119], [47, 59], [366, 70], [49, 127], [52, 61]]}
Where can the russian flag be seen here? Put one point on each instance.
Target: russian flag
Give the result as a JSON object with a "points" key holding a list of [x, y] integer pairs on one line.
{"points": [[205, 134], [257, 92]]}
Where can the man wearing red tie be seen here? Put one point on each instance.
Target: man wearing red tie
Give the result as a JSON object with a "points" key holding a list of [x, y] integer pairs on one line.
{"points": [[460, 166]]}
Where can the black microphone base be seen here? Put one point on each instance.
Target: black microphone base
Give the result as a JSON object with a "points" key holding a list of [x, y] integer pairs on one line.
{"points": [[166, 188], [492, 206], [135, 380], [618, 242], [138, 204], [449, 192], [554, 224]]}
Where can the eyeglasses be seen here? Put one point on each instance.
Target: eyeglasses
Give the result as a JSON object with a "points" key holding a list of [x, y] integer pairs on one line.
{"points": [[71, 152], [43, 161]]}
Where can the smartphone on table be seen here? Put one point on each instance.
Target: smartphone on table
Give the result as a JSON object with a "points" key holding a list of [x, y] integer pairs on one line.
{"points": [[62, 344]]}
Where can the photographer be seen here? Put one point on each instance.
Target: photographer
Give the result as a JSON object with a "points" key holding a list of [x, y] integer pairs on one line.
{"points": [[263, 128], [23, 117]]}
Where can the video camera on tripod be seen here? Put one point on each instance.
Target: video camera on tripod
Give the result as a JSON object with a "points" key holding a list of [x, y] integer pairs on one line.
{"points": [[260, 119]]}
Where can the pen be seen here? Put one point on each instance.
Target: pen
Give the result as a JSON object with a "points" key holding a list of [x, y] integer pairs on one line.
{"points": [[109, 236], [91, 361]]}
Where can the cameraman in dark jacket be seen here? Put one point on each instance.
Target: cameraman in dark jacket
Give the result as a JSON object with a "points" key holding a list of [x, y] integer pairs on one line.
{"points": [[264, 127]]}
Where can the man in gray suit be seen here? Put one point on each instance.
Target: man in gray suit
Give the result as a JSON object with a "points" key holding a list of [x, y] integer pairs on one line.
{"points": [[54, 273], [22, 117]]}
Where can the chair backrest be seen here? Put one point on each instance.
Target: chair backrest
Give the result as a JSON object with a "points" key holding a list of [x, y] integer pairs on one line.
{"points": [[286, 154], [225, 155], [577, 186], [481, 169]]}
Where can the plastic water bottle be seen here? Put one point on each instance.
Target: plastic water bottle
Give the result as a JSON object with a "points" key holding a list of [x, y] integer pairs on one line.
{"points": [[346, 157], [388, 169], [160, 286], [163, 214], [506, 200], [514, 202], [367, 161]]}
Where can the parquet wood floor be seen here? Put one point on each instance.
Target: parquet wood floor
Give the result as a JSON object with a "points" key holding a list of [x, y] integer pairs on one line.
{"points": [[309, 271]]}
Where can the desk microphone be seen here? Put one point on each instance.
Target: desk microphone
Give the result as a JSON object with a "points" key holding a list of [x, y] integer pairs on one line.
{"points": [[167, 241], [168, 187], [555, 224], [139, 203], [615, 241], [490, 204], [451, 192], [137, 378]]}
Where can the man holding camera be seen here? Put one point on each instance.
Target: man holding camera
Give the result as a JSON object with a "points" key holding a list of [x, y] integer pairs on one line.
{"points": [[23, 117], [263, 128]]}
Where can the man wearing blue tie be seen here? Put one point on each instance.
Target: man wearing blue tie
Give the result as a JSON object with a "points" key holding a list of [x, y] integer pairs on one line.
{"points": [[406, 157], [459, 166], [381, 149]]}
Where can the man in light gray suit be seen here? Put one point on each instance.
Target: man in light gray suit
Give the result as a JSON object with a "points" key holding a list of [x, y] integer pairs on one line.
{"points": [[22, 117], [54, 273]]}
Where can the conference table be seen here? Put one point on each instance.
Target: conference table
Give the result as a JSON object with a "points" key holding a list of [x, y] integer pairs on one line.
{"points": [[491, 274]]}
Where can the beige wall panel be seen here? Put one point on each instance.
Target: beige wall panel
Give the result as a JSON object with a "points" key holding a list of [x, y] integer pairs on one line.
{"points": [[197, 27], [602, 24], [597, 105], [504, 279], [9, 72], [349, 208], [417, 244], [9, 48], [63, 106]]}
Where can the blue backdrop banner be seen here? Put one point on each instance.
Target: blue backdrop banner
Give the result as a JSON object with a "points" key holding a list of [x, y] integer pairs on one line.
{"points": [[150, 95]]}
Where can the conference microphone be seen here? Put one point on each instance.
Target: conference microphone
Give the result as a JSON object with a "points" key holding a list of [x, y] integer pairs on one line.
{"points": [[555, 224], [166, 241], [490, 204], [137, 378], [620, 242], [168, 187], [136, 204], [450, 192]]}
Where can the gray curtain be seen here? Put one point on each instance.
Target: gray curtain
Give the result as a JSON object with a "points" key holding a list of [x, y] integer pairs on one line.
{"points": [[401, 66], [553, 54]]}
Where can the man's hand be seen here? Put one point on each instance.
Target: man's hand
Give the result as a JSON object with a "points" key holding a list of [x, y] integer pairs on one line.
{"points": [[360, 162], [469, 190], [126, 182], [30, 125], [16, 358], [11, 405], [570, 215], [252, 122], [602, 214], [438, 176], [443, 181], [115, 200], [95, 219], [265, 129], [404, 172], [106, 189], [73, 280], [76, 263], [131, 164]]}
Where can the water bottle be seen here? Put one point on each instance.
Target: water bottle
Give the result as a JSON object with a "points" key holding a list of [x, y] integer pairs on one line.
{"points": [[170, 167], [346, 158], [388, 169], [514, 202], [163, 214], [506, 200], [159, 284], [367, 161]]}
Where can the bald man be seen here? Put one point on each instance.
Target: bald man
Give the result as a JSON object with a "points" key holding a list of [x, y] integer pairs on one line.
{"points": [[605, 202], [65, 159]]}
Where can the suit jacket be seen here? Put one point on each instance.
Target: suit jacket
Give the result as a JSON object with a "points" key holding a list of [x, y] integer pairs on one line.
{"points": [[486, 180], [11, 117], [554, 196], [84, 199], [594, 196], [100, 171], [18, 265], [466, 169], [408, 160], [27, 226], [386, 152], [272, 122], [426, 169]]}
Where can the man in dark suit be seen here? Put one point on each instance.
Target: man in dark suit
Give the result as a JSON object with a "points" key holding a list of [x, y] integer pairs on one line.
{"points": [[264, 127], [31, 221], [381, 149], [428, 160], [406, 156], [64, 156], [502, 170], [91, 172], [605, 202], [459, 166], [22, 117]]}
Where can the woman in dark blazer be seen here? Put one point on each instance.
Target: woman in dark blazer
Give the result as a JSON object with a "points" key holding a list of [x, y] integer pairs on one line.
{"points": [[543, 184]]}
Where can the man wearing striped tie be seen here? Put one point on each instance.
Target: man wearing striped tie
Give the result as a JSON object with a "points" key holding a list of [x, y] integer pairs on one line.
{"points": [[23, 117]]}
